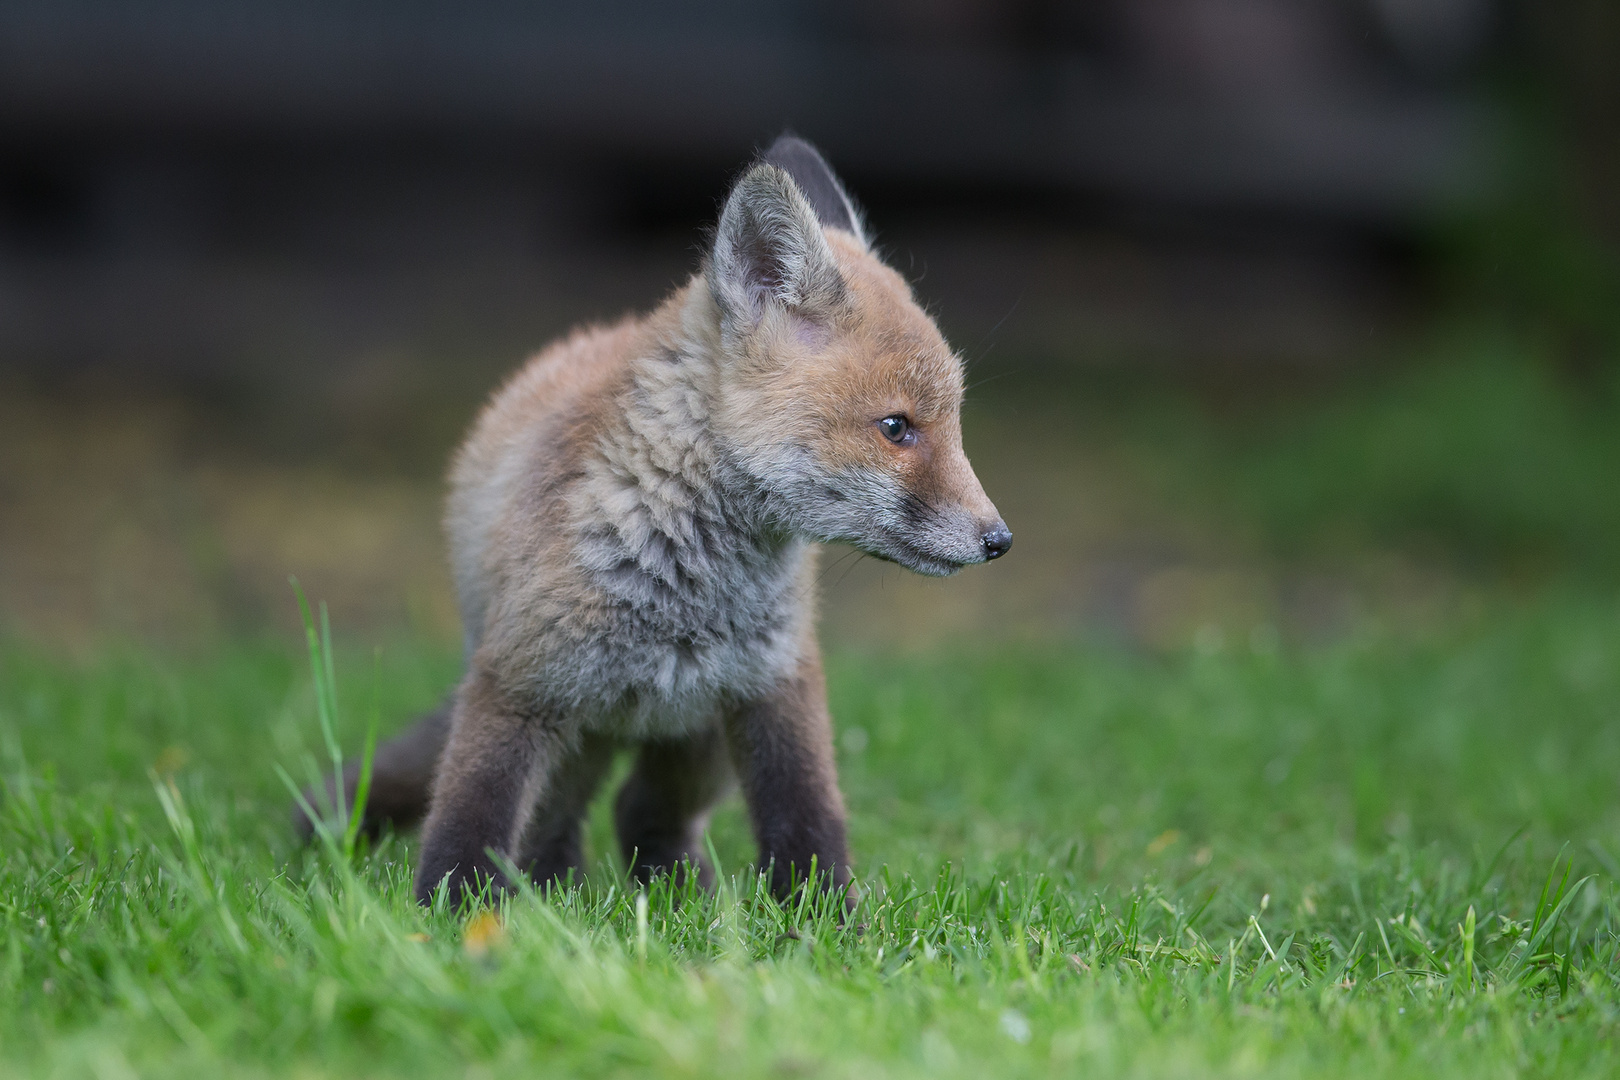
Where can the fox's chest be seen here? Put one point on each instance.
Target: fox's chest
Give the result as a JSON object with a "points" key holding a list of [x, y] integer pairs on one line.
{"points": [[662, 649]]}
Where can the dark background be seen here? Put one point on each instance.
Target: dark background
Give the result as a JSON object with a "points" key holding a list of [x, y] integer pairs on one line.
{"points": [[259, 262]]}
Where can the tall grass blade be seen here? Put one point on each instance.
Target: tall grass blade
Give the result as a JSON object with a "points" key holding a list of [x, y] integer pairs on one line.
{"points": [[1466, 931], [362, 785], [323, 673]]}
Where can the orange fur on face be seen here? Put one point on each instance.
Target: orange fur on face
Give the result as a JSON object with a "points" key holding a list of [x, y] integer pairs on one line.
{"points": [[821, 380]]}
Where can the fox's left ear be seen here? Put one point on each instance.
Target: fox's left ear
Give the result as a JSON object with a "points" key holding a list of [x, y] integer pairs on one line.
{"points": [[769, 250]]}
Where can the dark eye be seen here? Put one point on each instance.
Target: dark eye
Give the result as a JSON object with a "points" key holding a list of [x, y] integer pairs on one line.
{"points": [[898, 430]]}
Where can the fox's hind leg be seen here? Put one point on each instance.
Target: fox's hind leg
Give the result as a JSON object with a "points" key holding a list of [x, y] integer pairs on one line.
{"points": [[661, 811], [401, 778], [551, 842]]}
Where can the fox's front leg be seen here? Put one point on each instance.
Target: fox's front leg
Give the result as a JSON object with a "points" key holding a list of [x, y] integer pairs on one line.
{"points": [[782, 749], [499, 758]]}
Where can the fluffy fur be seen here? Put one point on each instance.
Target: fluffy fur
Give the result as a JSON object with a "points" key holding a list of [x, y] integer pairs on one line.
{"points": [[632, 524]]}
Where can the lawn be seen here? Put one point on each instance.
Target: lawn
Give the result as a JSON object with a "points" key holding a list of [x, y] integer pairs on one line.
{"points": [[1391, 855], [1390, 852]]}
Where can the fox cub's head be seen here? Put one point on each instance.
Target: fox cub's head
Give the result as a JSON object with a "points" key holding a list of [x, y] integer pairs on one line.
{"points": [[838, 396]]}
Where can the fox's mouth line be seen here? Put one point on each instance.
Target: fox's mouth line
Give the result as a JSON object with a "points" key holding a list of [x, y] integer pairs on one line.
{"points": [[914, 558]]}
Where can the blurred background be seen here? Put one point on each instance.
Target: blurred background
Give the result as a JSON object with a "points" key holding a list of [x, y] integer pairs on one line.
{"points": [[1281, 315]]}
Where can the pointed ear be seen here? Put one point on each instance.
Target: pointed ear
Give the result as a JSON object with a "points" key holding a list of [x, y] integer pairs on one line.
{"points": [[821, 186], [770, 250]]}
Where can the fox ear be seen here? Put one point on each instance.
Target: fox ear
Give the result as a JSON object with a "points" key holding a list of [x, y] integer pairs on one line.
{"points": [[821, 186], [770, 250]]}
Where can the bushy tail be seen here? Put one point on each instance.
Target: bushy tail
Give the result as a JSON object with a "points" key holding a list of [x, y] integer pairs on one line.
{"points": [[401, 778]]}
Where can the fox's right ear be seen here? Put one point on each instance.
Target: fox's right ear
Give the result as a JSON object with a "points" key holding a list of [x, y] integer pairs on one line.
{"points": [[769, 250]]}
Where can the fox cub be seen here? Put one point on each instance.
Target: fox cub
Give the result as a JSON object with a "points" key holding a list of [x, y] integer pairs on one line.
{"points": [[632, 526]]}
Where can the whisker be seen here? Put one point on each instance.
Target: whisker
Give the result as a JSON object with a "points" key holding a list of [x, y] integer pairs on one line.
{"points": [[850, 569], [986, 343], [830, 567], [988, 379]]}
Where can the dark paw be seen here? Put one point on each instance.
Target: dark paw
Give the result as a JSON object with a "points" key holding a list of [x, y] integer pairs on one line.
{"points": [[557, 874], [475, 885], [789, 882], [680, 868]]}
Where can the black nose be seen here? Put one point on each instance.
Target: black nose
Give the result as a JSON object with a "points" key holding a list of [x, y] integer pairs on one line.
{"points": [[997, 542]]}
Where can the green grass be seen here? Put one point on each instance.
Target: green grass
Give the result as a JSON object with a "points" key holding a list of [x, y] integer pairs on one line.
{"points": [[1074, 861]]}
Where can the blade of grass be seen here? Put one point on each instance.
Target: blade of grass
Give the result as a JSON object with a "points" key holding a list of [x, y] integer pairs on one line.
{"points": [[329, 684], [1466, 930], [362, 786], [318, 639]]}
